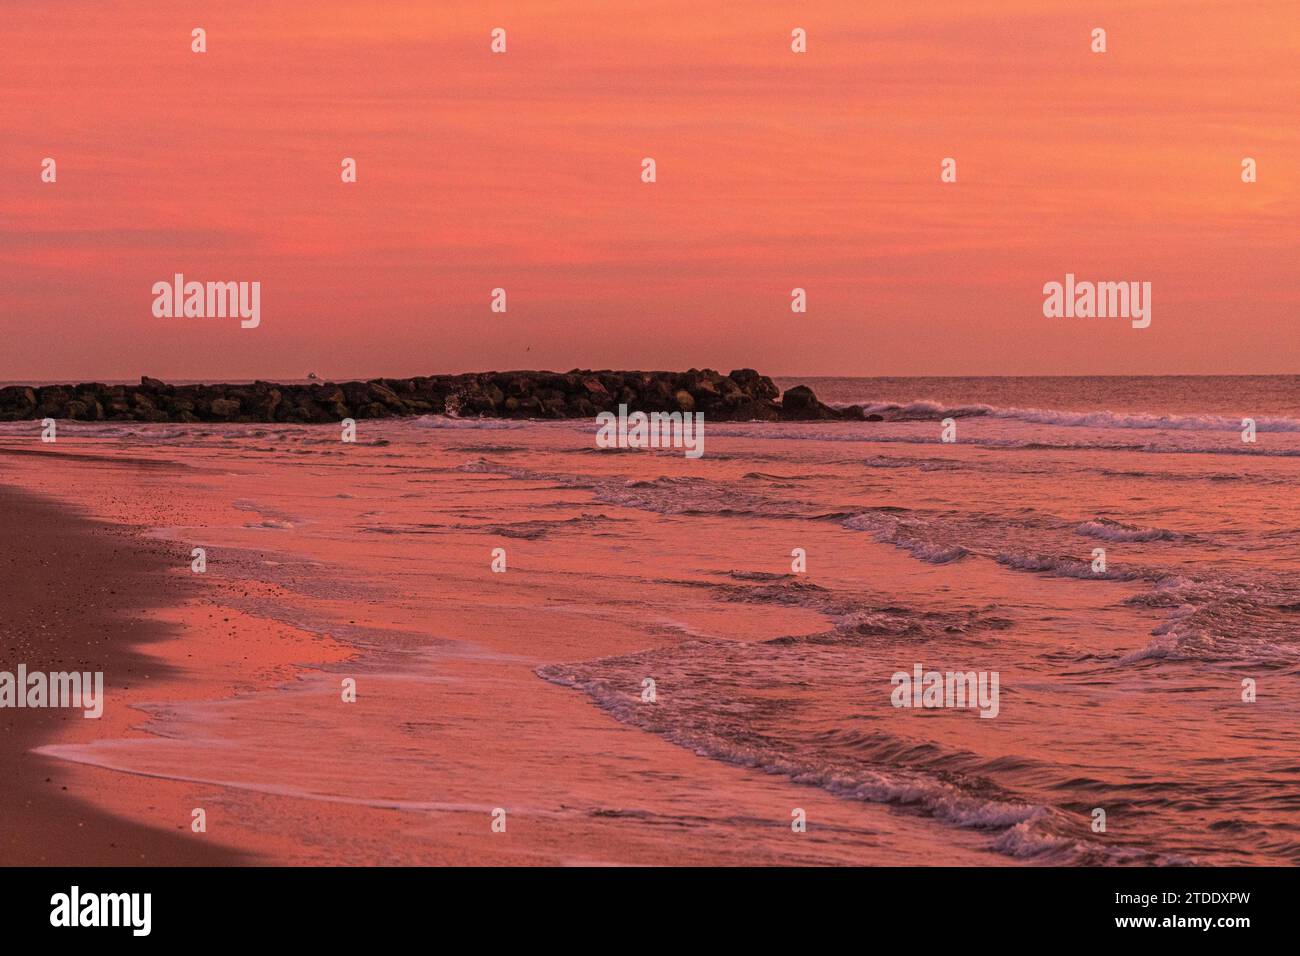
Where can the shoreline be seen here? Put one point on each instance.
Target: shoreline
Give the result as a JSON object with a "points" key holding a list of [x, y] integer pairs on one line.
{"points": [[371, 560], [242, 713], [91, 579]]}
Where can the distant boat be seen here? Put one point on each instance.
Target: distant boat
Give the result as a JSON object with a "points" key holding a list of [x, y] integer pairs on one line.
{"points": [[311, 376]]}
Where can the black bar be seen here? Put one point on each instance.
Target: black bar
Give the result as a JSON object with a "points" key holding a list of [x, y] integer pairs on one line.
{"points": [[658, 908]]}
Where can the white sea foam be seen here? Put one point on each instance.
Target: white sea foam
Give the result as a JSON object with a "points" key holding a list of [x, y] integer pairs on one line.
{"points": [[932, 410], [1118, 531]]}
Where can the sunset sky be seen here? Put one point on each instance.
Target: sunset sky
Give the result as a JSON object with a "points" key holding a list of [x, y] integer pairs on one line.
{"points": [[522, 170]]}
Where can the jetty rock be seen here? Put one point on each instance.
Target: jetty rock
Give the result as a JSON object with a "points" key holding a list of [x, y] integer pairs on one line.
{"points": [[742, 395]]}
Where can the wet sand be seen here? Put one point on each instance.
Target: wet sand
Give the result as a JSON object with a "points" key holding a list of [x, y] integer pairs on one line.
{"points": [[73, 592]]}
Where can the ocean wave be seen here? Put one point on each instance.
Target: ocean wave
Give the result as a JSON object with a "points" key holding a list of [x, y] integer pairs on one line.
{"points": [[486, 424], [1109, 530], [931, 410], [759, 729], [1237, 615], [871, 433], [1064, 566], [530, 530], [1210, 614], [912, 534]]}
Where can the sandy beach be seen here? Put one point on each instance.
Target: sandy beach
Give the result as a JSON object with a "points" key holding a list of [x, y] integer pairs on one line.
{"points": [[77, 595]]}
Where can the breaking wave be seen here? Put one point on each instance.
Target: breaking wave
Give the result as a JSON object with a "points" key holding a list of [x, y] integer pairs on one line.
{"points": [[930, 410]]}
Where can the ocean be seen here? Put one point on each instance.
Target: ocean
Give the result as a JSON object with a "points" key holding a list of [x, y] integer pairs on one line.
{"points": [[1155, 395], [1110, 548]]}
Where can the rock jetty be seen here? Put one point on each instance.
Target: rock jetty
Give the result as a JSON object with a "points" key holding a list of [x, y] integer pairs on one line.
{"points": [[743, 395]]}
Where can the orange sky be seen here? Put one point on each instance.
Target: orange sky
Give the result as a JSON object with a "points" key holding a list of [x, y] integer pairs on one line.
{"points": [[775, 170]]}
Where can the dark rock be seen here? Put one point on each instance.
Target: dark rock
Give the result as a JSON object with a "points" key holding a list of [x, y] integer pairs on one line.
{"points": [[760, 386], [800, 404], [742, 395], [596, 389], [385, 396], [764, 411], [225, 408], [17, 402]]}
